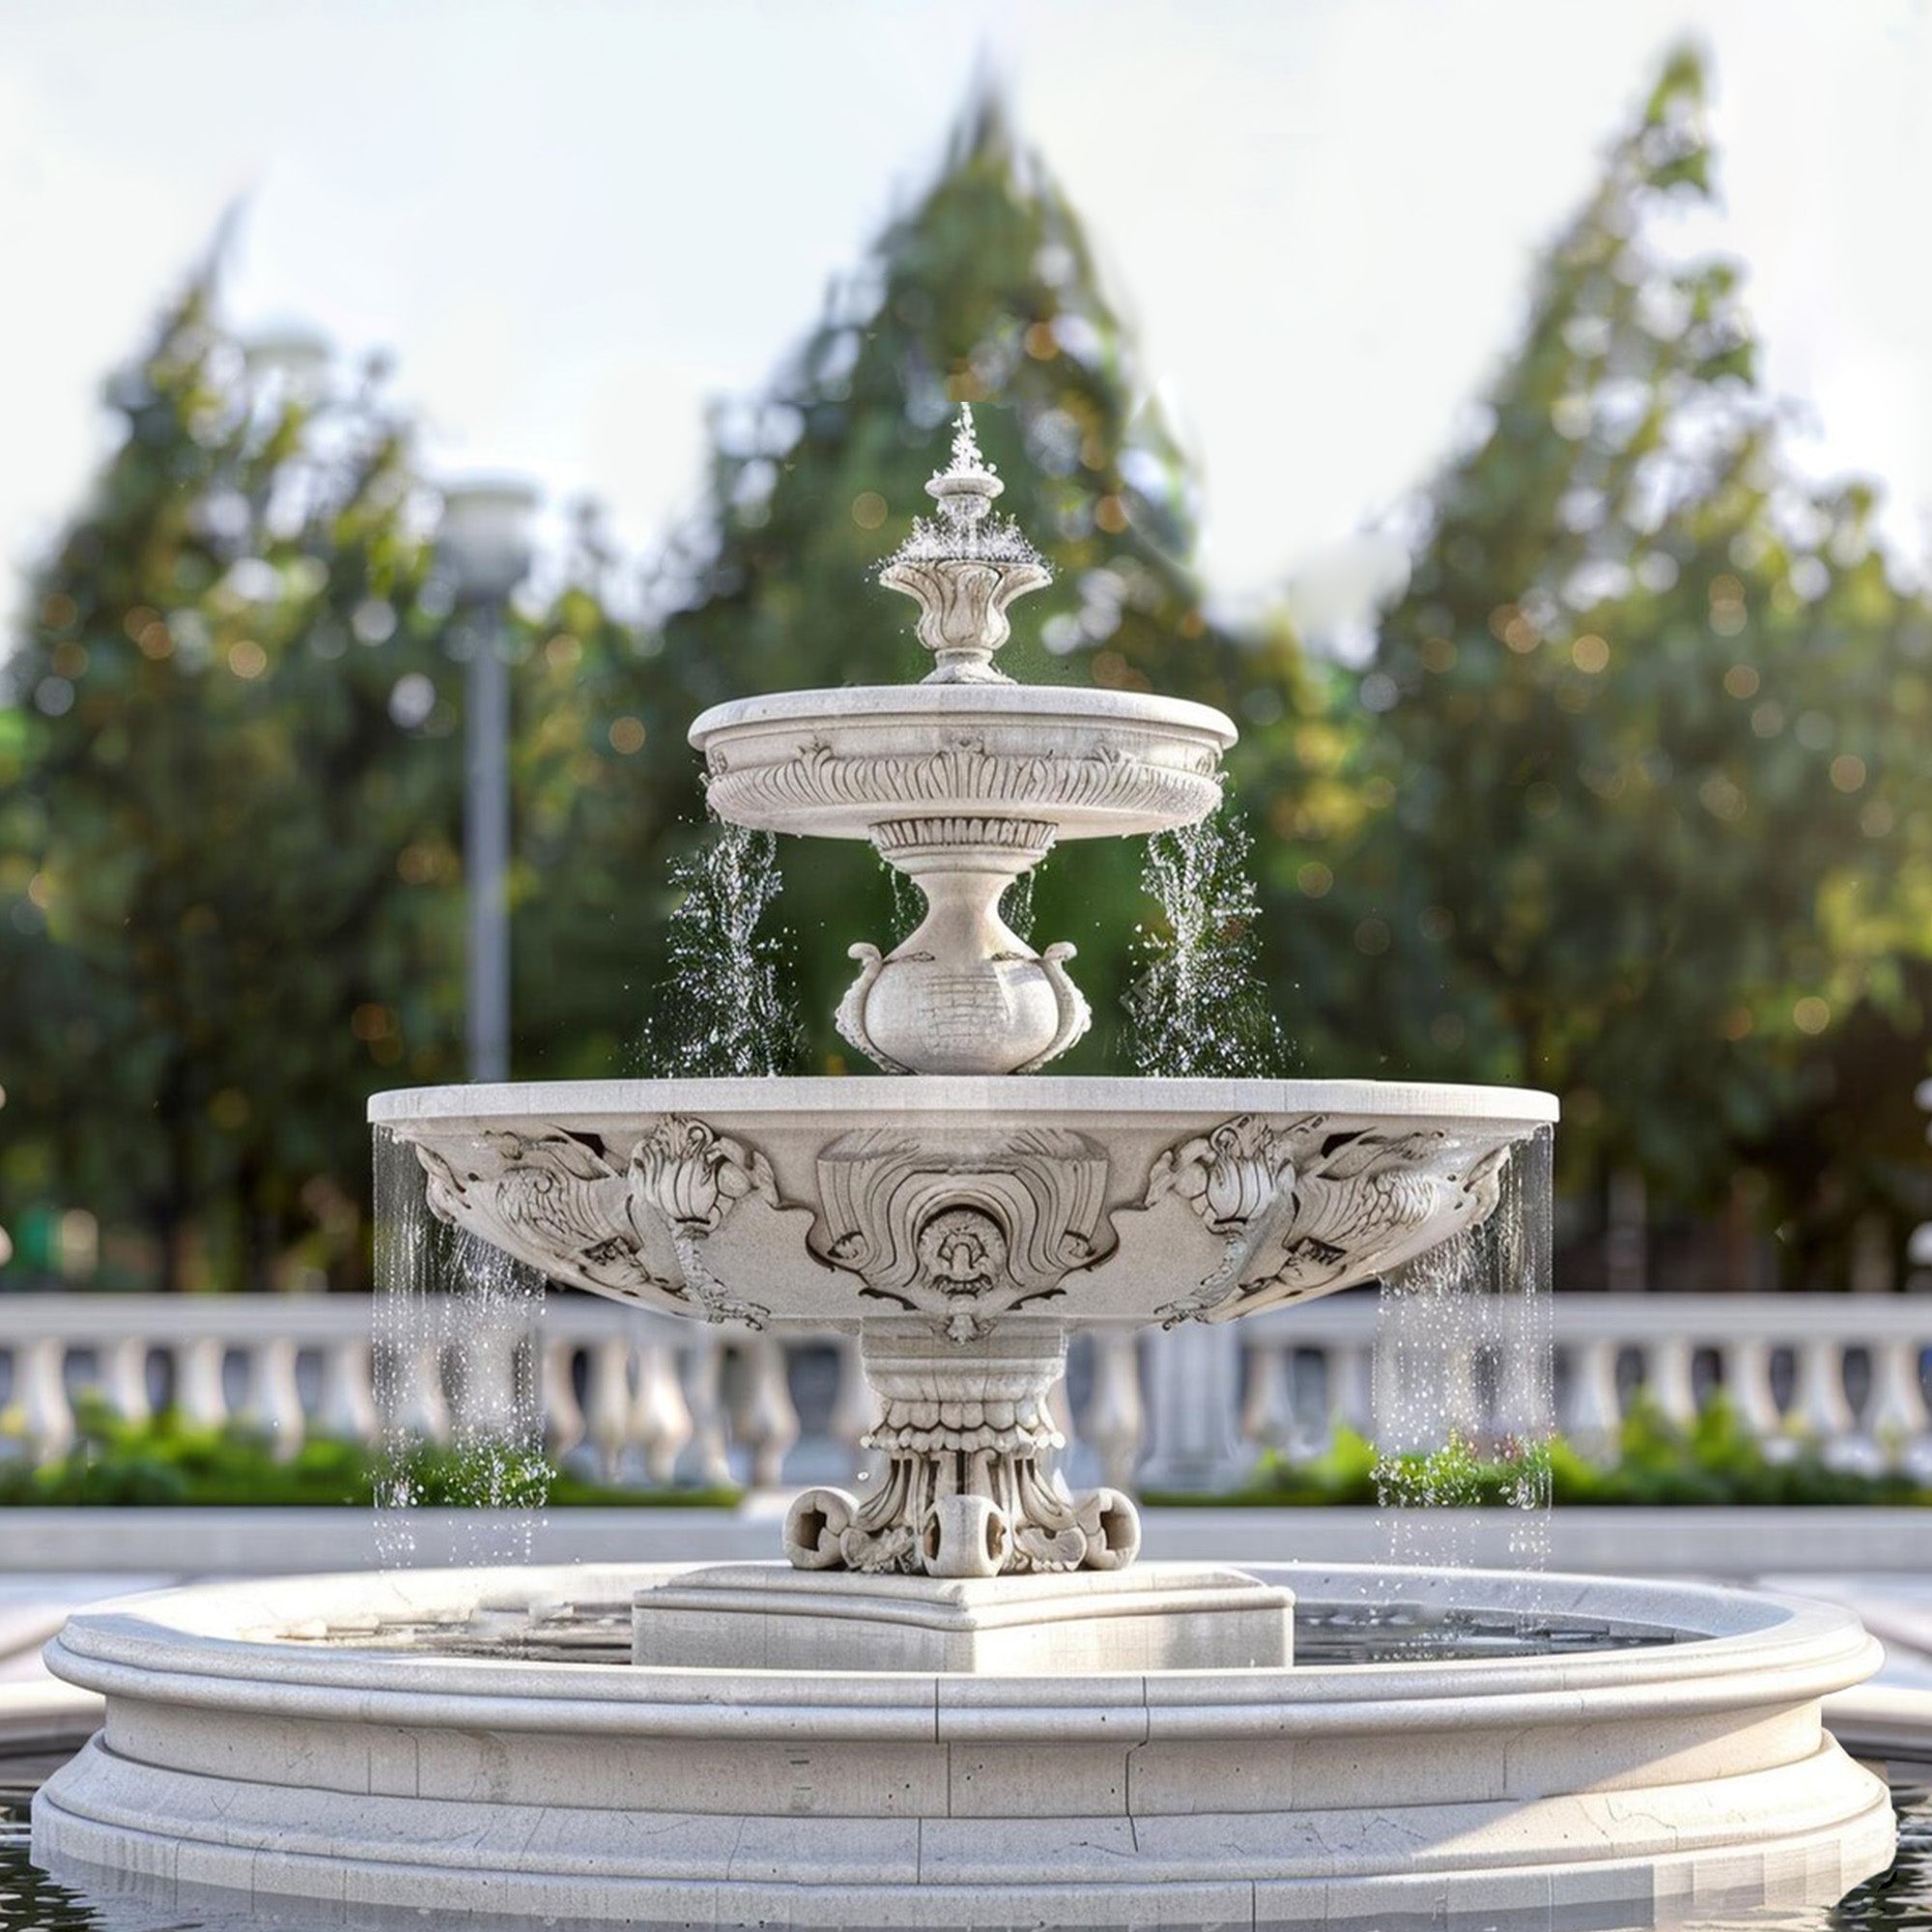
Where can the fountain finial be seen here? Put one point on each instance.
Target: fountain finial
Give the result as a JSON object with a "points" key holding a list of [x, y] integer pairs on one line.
{"points": [[965, 566]]}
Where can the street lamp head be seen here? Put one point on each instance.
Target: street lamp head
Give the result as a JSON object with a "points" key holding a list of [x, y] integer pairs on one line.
{"points": [[485, 535], [296, 356]]}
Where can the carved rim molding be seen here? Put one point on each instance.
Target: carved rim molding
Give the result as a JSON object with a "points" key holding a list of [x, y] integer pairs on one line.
{"points": [[1100, 788]]}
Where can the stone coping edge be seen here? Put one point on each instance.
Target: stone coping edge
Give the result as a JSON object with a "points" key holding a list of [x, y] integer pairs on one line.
{"points": [[1082, 1099], [203, 1647], [241, 1542], [960, 703]]}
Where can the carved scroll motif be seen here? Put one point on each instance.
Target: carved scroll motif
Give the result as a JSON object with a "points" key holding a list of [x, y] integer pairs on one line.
{"points": [[965, 773], [1317, 1202], [562, 1203]]}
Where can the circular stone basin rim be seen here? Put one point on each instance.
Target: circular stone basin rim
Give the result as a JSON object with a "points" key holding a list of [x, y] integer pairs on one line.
{"points": [[205, 1647]]}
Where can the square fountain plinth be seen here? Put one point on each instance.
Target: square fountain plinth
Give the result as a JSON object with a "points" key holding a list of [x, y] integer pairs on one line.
{"points": [[760, 1616]]}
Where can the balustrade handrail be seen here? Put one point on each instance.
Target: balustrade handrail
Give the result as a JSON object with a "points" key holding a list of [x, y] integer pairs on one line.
{"points": [[85, 1318], [1705, 1319]]}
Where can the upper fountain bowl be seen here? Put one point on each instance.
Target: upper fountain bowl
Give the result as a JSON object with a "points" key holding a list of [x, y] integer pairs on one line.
{"points": [[1059, 761]]}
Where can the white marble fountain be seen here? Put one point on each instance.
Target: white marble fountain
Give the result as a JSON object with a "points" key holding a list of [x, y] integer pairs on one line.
{"points": [[960, 1700]]}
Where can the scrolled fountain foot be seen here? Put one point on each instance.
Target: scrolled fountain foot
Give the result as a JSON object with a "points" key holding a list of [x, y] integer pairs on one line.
{"points": [[966, 1427], [962, 1535]]}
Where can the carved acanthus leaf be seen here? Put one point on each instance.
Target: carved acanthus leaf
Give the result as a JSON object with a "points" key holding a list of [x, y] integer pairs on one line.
{"points": [[688, 1172]]}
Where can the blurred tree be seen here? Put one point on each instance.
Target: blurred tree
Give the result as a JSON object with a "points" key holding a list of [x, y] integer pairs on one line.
{"points": [[235, 793], [984, 291], [1649, 815]]}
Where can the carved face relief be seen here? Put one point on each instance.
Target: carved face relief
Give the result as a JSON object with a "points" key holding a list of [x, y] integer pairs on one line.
{"points": [[961, 1251], [968, 1233]]}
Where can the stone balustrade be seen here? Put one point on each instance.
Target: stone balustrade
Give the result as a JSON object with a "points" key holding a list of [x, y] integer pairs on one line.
{"points": [[653, 1401]]}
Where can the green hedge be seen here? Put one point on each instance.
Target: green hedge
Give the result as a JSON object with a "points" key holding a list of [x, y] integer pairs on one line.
{"points": [[1717, 1461], [168, 1461]]}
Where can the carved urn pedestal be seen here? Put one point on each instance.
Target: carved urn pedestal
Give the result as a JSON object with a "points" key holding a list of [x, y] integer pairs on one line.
{"points": [[963, 993]]}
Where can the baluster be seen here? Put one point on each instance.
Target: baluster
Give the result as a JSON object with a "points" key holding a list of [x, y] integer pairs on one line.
{"points": [[703, 1388], [199, 1396], [425, 1409], [1462, 1407], [1897, 1419], [1593, 1417], [485, 1382], [123, 1378], [1668, 1381], [1267, 1414], [765, 1421], [272, 1400], [1115, 1423], [1349, 1373], [1820, 1412], [346, 1404], [563, 1422], [1747, 1364], [853, 1410], [1060, 1412], [1193, 1376], [608, 1404], [660, 1423], [39, 1372]]}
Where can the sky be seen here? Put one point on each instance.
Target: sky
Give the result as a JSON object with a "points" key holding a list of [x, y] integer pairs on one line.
{"points": [[574, 225]]}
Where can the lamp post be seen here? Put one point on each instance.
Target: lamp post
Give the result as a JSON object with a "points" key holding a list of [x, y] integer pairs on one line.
{"points": [[484, 546]]}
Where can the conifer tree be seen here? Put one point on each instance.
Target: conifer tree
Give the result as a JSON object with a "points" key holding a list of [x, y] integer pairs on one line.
{"points": [[237, 798], [1651, 817]]}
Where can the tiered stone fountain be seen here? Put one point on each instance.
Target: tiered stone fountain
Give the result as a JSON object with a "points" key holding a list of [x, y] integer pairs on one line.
{"points": [[959, 1700]]}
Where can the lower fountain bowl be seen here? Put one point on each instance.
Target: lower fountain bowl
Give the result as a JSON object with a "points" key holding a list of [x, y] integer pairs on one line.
{"points": [[285, 1741]]}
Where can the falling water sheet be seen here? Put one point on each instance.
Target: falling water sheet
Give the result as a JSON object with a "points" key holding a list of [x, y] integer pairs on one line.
{"points": [[1464, 1380], [458, 1390]]}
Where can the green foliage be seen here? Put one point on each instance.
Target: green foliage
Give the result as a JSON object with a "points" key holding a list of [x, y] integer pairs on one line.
{"points": [[1632, 800], [1649, 815], [229, 777], [167, 1462], [605, 807], [1716, 1463]]}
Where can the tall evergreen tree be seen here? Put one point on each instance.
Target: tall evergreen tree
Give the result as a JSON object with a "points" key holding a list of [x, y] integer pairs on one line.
{"points": [[985, 291], [1653, 818], [233, 835]]}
